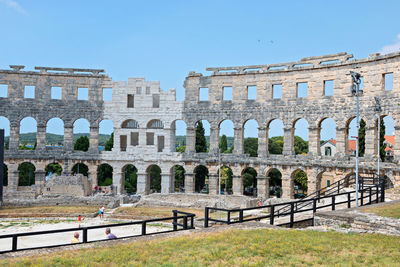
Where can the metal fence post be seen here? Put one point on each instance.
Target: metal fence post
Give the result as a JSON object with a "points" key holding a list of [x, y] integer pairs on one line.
{"points": [[291, 214], [383, 191], [206, 217], [370, 195], [333, 202], [271, 218], [362, 197], [185, 223], [229, 217], [348, 200], [377, 193], [84, 236], [314, 205], [144, 228], [175, 220], [1, 164], [14, 242]]}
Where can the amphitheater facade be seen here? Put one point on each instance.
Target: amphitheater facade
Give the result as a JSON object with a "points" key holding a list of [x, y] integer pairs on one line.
{"points": [[144, 119]]}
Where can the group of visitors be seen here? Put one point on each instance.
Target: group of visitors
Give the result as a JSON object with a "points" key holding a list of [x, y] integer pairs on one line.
{"points": [[104, 190], [109, 235]]}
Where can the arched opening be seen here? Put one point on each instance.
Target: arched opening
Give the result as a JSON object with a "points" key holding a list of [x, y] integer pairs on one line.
{"points": [[130, 178], [55, 133], [300, 137], [351, 132], [81, 134], [249, 176], [226, 180], [5, 175], [80, 168], [26, 174], [387, 141], [155, 124], [106, 135], [130, 124], [201, 179], [27, 134], [275, 183], [275, 137], [226, 138], [178, 172], [299, 181], [104, 175], [5, 124], [250, 137], [327, 137], [202, 136], [178, 136], [154, 176], [53, 168]]}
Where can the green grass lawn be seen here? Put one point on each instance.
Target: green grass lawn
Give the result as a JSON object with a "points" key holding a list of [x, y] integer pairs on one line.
{"points": [[388, 210], [236, 248]]}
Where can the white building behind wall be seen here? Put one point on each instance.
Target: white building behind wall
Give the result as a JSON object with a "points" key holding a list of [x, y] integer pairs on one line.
{"points": [[144, 131]]}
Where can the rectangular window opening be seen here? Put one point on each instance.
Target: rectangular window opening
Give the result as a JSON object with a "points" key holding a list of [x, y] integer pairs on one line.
{"points": [[56, 93], [227, 93], [302, 90], [83, 93], [277, 91], [107, 94], [3, 90], [156, 101], [134, 139], [122, 142], [203, 94], [150, 139], [252, 92], [328, 88], [139, 90], [147, 90], [160, 143], [29, 91], [388, 80], [130, 102]]}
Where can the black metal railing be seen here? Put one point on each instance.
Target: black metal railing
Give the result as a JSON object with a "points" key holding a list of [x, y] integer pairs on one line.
{"points": [[368, 195], [186, 218]]}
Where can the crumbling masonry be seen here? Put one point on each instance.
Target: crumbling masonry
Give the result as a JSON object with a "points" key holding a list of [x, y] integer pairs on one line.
{"points": [[144, 119]]}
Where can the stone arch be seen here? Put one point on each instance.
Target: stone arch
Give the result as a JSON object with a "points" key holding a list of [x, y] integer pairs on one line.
{"points": [[250, 137], [80, 168], [178, 134], [155, 124], [104, 175], [249, 181], [26, 174], [106, 127], [326, 133], [388, 143], [53, 168], [129, 178], [226, 128], [54, 130], [28, 134], [199, 141], [81, 132], [298, 183], [201, 179], [154, 178], [178, 176], [300, 136], [130, 124], [274, 176], [350, 132], [275, 136], [5, 124]]}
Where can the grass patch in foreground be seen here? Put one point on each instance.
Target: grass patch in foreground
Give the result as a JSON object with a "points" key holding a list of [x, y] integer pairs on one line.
{"points": [[236, 248], [49, 209], [387, 210], [156, 212]]}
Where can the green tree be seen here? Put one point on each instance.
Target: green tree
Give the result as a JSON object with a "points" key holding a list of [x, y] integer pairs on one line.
{"points": [[110, 143], [155, 178], [223, 144], [201, 142], [181, 148], [80, 168], [275, 145], [226, 178], [382, 145], [5, 175], [251, 146], [82, 143], [249, 178], [104, 175], [130, 174], [179, 177], [300, 179], [26, 174], [54, 168], [300, 145], [361, 139], [6, 145], [201, 174]]}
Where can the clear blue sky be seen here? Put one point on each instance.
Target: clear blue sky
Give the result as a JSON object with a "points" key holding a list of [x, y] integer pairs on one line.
{"points": [[164, 40]]}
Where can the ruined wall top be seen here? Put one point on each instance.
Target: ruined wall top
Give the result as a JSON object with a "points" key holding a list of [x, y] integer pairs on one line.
{"points": [[56, 71]]}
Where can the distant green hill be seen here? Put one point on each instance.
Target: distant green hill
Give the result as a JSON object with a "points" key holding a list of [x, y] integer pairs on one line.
{"points": [[54, 139]]}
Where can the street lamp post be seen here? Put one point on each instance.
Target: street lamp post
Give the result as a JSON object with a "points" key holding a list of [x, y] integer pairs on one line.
{"points": [[355, 91], [219, 180], [378, 109]]}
